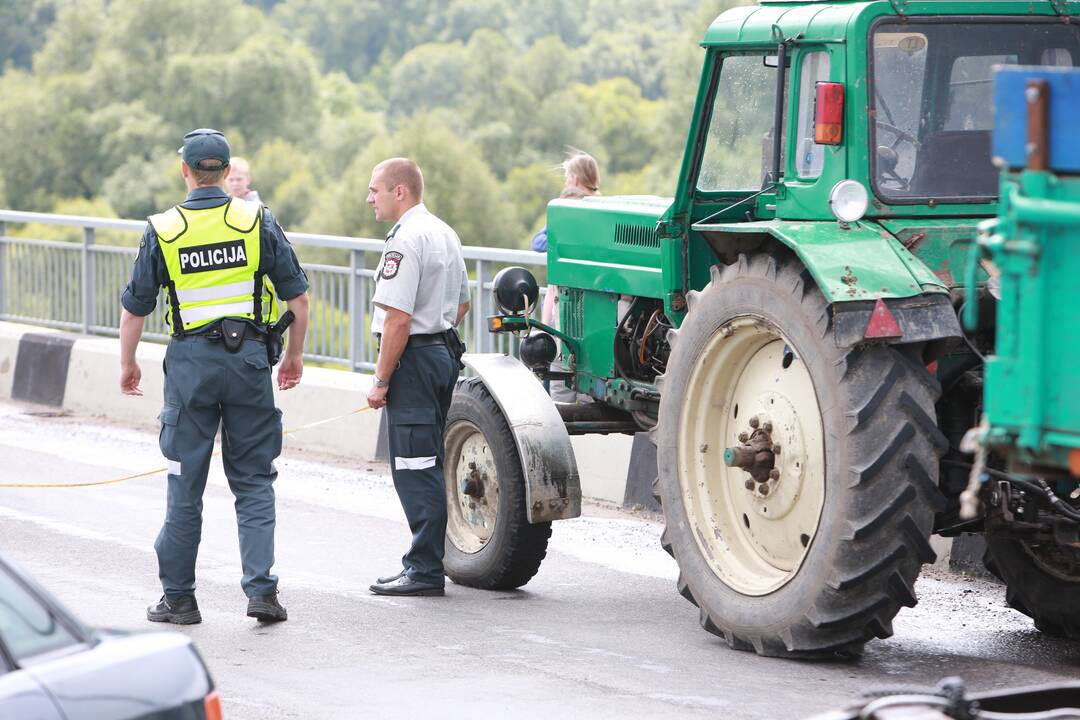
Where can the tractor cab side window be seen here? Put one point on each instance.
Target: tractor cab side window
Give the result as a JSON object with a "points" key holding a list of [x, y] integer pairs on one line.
{"points": [[809, 156], [738, 148]]}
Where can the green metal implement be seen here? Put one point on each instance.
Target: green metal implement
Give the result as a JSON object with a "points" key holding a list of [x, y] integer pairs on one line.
{"points": [[1033, 378]]}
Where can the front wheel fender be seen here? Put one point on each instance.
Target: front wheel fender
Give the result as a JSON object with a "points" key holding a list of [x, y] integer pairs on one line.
{"points": [[552, 483]]}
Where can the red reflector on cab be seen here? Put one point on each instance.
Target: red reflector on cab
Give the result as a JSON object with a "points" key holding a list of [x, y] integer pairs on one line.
{"points": [[882, 323], [829, 113]]}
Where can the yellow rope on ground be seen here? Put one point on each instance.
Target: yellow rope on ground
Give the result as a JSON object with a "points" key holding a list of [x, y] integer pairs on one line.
{"points": [[164, 469]]}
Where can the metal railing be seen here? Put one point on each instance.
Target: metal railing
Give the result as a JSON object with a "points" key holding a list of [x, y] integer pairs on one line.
{"points": [[77, 286]]}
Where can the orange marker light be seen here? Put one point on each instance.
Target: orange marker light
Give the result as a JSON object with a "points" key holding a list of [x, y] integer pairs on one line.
{"points": [[1074, 462], [212, 704], [829, 113], [495, 324]]}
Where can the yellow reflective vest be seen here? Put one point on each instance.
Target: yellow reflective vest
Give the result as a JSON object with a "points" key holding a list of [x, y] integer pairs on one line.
{"points": [[212, 260]]}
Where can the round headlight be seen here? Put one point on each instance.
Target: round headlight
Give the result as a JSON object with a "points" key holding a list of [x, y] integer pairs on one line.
{"points": [[848, 201]]}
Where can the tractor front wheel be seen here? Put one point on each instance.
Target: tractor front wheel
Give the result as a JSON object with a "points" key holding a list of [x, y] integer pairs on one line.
{"points": [[490, 543]]}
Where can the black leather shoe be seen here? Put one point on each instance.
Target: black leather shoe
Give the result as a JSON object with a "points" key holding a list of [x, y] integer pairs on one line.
{"points": [[405, 586], [179, 611], [390, 578], [266, 608]]}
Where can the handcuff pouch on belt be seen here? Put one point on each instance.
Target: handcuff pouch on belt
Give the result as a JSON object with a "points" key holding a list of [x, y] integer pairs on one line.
{"points": [[456, 346], [233, 333]]}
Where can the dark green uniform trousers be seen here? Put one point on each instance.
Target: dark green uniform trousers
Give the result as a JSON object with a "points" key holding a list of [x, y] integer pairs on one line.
{"points": [[207, 386], [417, 402]]}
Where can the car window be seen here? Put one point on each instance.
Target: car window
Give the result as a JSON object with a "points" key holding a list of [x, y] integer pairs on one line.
{"points": [[27, 627]]}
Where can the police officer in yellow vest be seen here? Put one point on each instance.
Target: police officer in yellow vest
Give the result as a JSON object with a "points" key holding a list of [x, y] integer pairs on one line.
{"points": [[221, 262]]}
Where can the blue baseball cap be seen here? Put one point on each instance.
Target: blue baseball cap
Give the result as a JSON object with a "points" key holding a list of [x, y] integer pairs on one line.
{"points": [[205, 149]]}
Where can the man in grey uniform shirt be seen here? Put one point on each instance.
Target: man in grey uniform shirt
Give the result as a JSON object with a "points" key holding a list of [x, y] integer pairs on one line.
{"points": [[421, 295]]}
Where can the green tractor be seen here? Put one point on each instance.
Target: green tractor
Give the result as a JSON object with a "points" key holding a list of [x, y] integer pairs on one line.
{"points": [[786, 328]]}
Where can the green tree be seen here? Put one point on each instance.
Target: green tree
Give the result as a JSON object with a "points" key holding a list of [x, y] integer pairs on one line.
{"points": [[428, 76], [531, 188], [535, 19], [466, 17], [72, 38], [547, 67], [624, 123], [140, 187], [22, 29], [460, 188]]}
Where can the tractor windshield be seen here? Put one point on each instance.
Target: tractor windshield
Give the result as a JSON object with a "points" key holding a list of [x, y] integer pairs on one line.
{"points": [[932, 101]]}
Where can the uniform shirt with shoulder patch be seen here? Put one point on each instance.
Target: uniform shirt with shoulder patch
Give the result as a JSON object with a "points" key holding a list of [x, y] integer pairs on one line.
{"points": [[422, 273]]}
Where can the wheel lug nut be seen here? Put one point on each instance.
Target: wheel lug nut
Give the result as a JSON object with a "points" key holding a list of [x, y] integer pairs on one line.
{"points": [[774, 474], [775, 449], [764, 489], [472, 466], [767, 426], [744, 437], [749, 484], [754, 422]]}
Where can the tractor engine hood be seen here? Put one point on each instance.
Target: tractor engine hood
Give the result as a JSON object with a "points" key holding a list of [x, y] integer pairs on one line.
{"points": [[607, 244]]}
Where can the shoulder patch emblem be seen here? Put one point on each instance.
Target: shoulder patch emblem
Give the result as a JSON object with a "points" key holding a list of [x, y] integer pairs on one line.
{"points": [[391, 264]]}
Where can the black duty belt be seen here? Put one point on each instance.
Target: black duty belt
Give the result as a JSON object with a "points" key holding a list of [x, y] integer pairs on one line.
{"points": [[213, 333], [419, 341], [416, 341]]}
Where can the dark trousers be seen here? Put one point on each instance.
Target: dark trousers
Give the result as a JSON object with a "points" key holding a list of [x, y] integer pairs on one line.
{"points": [[206, 386], [417, 403]]}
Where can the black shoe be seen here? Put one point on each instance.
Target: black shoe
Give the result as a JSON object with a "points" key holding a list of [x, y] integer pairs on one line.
{"points": [[179, 611], [390, 578], [405, 586], [266, 608]]}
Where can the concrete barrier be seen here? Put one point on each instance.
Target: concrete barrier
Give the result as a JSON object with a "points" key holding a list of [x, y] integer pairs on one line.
{"points": [[10, 339], [86, 372]]}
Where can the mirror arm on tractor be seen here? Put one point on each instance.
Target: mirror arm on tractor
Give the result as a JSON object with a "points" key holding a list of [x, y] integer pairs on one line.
{"points": [[522, 323]]}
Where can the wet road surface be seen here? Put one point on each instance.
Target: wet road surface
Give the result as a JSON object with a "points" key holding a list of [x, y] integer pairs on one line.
{"points": [[599, 633]]}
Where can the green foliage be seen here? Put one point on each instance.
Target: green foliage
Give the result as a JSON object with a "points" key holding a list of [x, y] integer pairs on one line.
{"points": [[459, 187], [486, 95], [22, 29], [532, 187]]}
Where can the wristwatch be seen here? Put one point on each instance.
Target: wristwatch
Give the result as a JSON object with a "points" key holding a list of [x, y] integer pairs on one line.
{"points": [[379, 383]]}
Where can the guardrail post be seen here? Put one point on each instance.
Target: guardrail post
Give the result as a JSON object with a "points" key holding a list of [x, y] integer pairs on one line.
{"points": [[3, 258], [356, 311], [481, 337], [89, 300]]}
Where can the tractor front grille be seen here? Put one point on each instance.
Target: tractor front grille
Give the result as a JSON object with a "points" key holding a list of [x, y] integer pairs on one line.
{"points": [[573, 314]]}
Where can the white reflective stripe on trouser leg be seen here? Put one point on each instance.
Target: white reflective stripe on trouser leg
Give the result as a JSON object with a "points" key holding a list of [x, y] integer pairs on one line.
{"points": [[218, 292], [174, 467], [416, 463], [205, 312]]}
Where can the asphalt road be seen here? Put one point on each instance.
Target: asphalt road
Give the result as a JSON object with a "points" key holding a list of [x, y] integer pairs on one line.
{"points": [[599, 633]]}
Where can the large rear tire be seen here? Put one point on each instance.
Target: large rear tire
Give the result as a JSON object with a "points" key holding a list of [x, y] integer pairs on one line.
{"points": [[819, 560], [1041, 580], [489, 542]]}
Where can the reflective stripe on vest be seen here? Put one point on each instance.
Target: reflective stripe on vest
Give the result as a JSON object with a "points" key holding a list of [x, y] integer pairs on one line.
{"points": [[196, 315], [218, 292], [212, 260]]}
